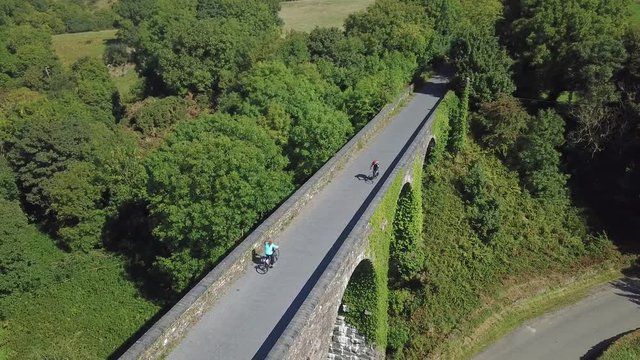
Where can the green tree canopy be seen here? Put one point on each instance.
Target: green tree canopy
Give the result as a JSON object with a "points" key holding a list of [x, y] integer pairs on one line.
{"points": [[72, 171], [392, 25], [565, 45], [95, 88], [199, 46], [503, 122], [539, 157], [153, 116], [291, 104], [208, 185], [485, 63], [26, 57]]}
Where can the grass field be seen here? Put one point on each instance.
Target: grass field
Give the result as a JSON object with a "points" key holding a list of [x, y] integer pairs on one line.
{"points": [[305, 15], [104, 4], [71, 47], [635, 12]]}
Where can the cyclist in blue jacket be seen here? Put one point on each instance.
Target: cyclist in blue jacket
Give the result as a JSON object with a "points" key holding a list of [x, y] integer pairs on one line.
{"points": [[269, 248]]}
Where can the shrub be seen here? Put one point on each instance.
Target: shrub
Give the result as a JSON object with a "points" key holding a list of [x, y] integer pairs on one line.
{"points": [[502, 123], [153, 116], [116, 54], [406, 256], [484, 211]]}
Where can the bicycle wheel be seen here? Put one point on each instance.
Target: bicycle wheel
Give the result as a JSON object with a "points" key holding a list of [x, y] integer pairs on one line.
{"points": [[263, 267]]}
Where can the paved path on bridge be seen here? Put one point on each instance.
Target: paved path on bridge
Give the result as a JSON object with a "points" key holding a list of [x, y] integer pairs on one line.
{"points": [[580, 331], [240, 322]]}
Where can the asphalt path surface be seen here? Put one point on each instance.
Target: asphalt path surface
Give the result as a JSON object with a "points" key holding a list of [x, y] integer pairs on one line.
{"points": [[239, 324], [580, 331]]}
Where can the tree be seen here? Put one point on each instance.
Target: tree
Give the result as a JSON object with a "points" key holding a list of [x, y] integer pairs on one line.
{"points": [[560, 45], [389, 25], [483, 209], [294, 49], [27, 257], [26, 58], [460, 122], [539, 158], [135, 10], [292, 106], [199, 47], [152, 116], [116, 54], [73, 172], [503, 122], [487, 65], [320, 132], [214, 178], [259, 16], [95, 88], [8, 188]]}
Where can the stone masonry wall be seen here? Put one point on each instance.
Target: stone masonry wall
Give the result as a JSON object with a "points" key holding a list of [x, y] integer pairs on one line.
{"points": [[347, 344], [171, 327]]}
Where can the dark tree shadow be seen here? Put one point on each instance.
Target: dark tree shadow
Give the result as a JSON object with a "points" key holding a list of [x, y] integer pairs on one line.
{"points": [[629, 287], [129, 233], [597, 350], [436, 89]]}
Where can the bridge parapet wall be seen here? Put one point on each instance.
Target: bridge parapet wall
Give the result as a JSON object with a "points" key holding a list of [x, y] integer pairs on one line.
{"points": [[173, 325]]}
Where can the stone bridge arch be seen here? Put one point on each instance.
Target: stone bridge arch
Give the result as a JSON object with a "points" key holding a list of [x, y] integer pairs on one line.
{"points": [[358, 307]]}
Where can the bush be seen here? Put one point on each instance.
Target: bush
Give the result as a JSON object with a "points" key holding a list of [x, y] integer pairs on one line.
{"points": [[8, 188], [116, 54], [406, 255], [399, 335], [502, 123], [484, 211], [153, 116]]}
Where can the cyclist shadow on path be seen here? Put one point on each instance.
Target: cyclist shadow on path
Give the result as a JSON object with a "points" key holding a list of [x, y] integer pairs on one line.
{"points": [[364, 177]]}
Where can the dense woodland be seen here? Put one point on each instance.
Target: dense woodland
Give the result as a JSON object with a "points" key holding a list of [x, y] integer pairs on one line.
{"points": [[111, 210]]}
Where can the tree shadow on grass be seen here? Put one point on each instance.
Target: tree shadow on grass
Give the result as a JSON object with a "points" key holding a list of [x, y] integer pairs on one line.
{"points": [[596, 351]]}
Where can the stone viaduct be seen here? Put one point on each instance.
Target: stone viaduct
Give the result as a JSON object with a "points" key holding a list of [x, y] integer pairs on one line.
{"points": [[305, 330]]}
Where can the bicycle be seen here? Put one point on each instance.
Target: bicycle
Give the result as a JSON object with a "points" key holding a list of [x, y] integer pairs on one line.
{"points": [[264, 265], [374, 169]]}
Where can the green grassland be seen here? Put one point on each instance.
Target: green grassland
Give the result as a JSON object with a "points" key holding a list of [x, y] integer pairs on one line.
{"points": [[635, 12], [626, 348], [305, 15], [103, 4], [60, 305], [71, 47]]}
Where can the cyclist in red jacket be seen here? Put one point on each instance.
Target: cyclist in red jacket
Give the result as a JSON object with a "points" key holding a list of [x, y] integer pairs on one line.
{"points": [[375, 164]]}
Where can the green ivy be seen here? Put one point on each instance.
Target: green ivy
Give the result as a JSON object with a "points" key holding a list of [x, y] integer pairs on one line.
{"points": [[407, 254]]}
